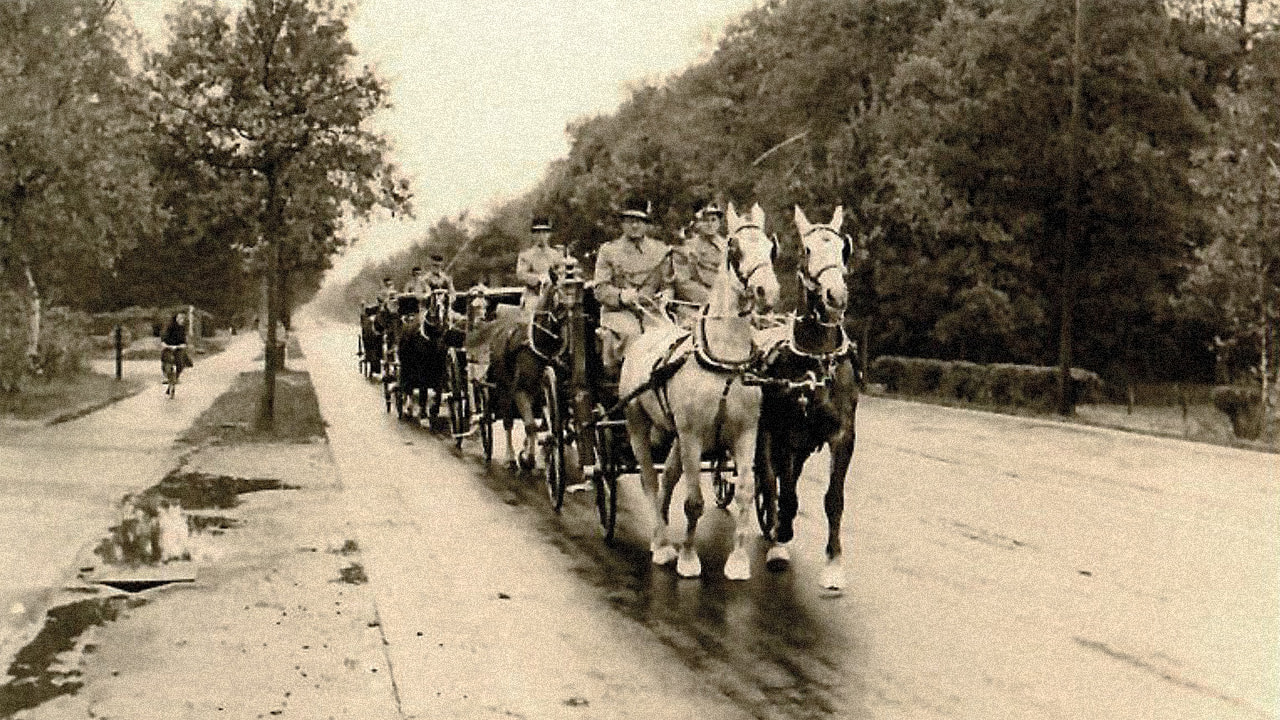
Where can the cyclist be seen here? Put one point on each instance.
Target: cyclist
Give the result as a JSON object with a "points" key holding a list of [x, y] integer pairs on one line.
{"points": [[174, 342]]}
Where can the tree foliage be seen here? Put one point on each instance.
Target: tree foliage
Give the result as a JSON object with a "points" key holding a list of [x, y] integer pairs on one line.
{"points": [[945, 129], [269, 106], [75, 187]]}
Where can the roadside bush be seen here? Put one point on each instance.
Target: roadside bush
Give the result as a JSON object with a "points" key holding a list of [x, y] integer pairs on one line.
{"points": [[136, 320], [1027, 386], [64, 343], [965, 381], [13, 342], [1243, 406]]}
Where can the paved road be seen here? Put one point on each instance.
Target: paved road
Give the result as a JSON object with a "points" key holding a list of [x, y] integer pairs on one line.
{"points": [[1000, 567]]}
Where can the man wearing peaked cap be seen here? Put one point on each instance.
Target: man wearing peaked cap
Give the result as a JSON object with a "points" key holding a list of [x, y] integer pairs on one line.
{"points": [[630, 271], [697, 261], [387, 292], [536, 263], [414, 285]]}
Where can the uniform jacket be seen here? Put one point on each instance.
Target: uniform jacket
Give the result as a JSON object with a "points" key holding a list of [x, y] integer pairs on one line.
{"points": [[534, 262], [644, 267], [428, 281], [695, 267]]}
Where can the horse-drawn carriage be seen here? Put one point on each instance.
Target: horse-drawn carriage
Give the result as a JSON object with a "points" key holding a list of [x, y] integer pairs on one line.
{"points": [[683, 385], [746, 406], [724, 398]]}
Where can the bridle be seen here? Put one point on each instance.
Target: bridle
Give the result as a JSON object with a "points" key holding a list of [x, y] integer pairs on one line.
{"points": [[812, 281], [744, 278]]}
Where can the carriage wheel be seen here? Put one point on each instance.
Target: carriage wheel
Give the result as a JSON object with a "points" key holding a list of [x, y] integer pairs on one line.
{"points": [[605, 478], [484, 416], [765, 507], [725, 489], [553, 446], [459, 402]]}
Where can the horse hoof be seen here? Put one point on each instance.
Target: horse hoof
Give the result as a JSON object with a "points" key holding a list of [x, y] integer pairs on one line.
{"points": [[664, 555], [778, 557], [738, 567], [512, 465], [689, 565], [833, 577]]}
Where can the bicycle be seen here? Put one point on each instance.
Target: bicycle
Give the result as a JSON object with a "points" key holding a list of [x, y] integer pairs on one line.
{"points": [[171, 364]]}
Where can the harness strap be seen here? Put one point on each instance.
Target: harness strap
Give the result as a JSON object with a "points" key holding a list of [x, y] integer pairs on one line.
{"points": [[722, 409]]}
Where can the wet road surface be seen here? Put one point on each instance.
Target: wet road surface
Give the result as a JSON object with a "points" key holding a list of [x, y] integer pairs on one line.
{"points": [[998, 567]]}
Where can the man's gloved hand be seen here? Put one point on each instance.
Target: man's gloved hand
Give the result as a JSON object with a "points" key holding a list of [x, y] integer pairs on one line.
{"points": [[628, 297]]}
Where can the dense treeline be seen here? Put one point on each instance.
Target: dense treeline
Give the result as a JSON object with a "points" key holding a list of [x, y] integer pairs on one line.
{"points": [[217, 170], [1001, 216]]}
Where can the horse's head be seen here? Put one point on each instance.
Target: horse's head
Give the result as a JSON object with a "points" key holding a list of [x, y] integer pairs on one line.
{"points": [[822, 270], [437, 310], [477, 304], [749, 258]]}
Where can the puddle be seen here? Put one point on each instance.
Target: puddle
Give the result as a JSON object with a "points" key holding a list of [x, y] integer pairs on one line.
{"points": [[37, 675], [201, 491], [156, 526]]}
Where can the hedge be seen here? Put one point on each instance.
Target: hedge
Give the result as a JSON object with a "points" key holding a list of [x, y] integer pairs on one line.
{"points": [[1243, 405], [1029, 386]]}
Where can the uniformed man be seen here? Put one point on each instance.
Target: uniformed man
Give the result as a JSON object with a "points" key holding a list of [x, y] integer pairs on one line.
{"points": [[633, 274], [697, 261], [536, 263], [387, 292], [413, 287]]}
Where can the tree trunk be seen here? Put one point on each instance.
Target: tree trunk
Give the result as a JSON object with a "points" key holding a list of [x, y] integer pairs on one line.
{"points": [[34, 317], [271, 227]]}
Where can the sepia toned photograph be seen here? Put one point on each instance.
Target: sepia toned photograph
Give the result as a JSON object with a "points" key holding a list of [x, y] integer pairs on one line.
{"points": [[721, 359]]}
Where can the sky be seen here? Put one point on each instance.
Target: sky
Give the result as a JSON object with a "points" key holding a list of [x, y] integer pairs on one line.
{"points": [[482, 90]]}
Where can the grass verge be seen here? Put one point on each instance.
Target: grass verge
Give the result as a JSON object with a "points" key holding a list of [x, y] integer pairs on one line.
{"points": [[67, 399], [233, 416], [1201, 423]]}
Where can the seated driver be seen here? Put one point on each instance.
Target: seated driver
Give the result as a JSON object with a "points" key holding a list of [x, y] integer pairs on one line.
{"points": [[536, 263], [633, 276]]}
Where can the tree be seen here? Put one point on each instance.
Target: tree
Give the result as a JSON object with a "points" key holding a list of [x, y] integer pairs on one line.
{"points": [[1009, 136], [1235, 281], [271, 105], [75, 187]]}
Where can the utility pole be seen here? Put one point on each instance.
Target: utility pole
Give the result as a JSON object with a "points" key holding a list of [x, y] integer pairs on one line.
{"points": [[1073, 229]]}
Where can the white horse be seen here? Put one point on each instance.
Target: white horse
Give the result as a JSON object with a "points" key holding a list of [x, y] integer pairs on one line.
{"points": [[702, 400]]}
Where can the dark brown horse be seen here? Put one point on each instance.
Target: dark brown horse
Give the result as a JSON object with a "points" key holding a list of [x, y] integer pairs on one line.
{"points": [[423, 353], [811, 396], [520, 350], [370, 349]]}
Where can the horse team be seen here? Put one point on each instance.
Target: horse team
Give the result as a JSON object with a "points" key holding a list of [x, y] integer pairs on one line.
{"points": [[737, 386]]}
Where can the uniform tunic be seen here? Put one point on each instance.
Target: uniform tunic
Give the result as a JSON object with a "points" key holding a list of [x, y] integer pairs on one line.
{"points": [[534, 263], [622, 264], [625, 264], [430, 281], [696, 266]]}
